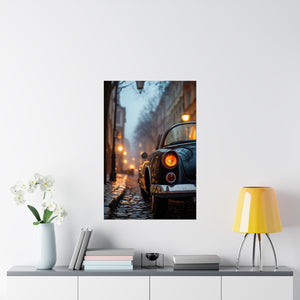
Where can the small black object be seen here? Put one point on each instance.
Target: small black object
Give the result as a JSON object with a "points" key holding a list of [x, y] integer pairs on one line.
{"points": [[152, 260], [152, 256]]}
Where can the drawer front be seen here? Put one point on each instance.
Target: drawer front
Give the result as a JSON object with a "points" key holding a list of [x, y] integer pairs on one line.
{"points": [[257, 287], [42, 287], [114, 288], [185, 287]]}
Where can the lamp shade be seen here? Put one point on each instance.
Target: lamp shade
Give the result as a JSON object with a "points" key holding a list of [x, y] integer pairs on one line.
{"points": [[257, 211]]}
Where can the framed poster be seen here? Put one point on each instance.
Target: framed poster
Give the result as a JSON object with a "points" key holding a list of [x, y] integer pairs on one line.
{"points": [[149, 150]]}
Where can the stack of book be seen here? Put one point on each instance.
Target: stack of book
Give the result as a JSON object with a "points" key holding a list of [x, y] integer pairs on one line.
{"points": [[80, 249], [108, 260], [196, 262]]}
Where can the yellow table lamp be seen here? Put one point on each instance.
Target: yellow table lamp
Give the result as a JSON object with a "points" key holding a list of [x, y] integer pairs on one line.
{"points": [[257, 212]]}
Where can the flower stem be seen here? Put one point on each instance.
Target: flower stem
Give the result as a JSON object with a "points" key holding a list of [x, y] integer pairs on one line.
{"points": [[44, 196]]}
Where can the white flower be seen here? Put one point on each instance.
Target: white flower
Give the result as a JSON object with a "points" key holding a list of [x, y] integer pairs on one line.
{"points": [[59, 220], [19, 186], [63, 214], [38, 178], [19, 201], [32, 184], [52, 206], [59, 209], [19, 198], [47, 183], [14, 189], [24, 186]]}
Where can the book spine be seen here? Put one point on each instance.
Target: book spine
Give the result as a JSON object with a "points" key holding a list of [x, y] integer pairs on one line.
{"points": [[108, 257], [110, 252], [83, 249], [76, 250], [108, 268]]}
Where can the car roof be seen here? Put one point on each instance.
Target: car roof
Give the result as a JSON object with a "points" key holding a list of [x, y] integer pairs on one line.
{"points": [[171, 128]]}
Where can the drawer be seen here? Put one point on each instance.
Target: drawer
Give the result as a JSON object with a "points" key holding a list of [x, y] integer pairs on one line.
{"points": [[185, 287], [42, 287], [257, 287], [114, 288]]}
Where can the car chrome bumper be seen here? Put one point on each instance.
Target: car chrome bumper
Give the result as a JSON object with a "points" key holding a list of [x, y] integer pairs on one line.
{"points": [[173, 190]]}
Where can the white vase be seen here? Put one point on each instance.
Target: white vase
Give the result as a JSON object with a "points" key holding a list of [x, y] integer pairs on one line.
{"points": [[45, 247]]}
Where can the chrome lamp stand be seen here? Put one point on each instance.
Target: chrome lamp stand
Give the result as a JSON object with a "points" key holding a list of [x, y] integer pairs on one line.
{"points": [[253, 251]]}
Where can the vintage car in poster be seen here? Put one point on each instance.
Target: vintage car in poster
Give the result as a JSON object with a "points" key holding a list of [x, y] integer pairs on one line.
{"points": [[170, 171]]}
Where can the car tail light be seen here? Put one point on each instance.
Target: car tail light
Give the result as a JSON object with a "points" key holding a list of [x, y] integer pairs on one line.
{"points": [[170, 160], [171, 177]]}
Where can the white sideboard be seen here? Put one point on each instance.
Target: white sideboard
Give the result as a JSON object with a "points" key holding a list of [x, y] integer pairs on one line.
{"points": [[185, 287], [42, 287], [26, 283], [258, 288], [113, 287]]}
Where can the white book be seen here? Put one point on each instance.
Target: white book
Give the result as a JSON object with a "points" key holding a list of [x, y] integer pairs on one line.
{"points": [[76, 250]]}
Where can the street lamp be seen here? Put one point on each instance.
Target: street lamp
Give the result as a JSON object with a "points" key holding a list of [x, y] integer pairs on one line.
{"points": [[113, 174], [120, 148], [140, 85], [185, 118]]}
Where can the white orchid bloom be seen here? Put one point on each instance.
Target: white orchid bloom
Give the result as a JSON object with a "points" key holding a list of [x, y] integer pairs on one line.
{"points": [[32, 184], [63, 214], [14, 189], [19, 201], [47, 183], [52, 206], [21, 186], [59, 209], [38, 178], [19, 198], [59, 220]]}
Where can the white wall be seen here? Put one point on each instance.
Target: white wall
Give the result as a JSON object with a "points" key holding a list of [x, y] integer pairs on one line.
{"points": [[54, 56]]}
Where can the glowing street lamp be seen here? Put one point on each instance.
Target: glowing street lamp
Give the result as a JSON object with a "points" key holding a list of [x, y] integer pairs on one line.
{"points": [[116, 134], [131, 166], [125, 161], [185, 118], [140, 85], [124, 153]]}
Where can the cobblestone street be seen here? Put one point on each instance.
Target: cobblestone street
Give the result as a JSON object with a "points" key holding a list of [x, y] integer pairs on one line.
{"points": [[131, 205]]}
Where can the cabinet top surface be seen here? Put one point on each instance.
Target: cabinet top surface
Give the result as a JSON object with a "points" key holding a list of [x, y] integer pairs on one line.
{"points": [[166, 271]]}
